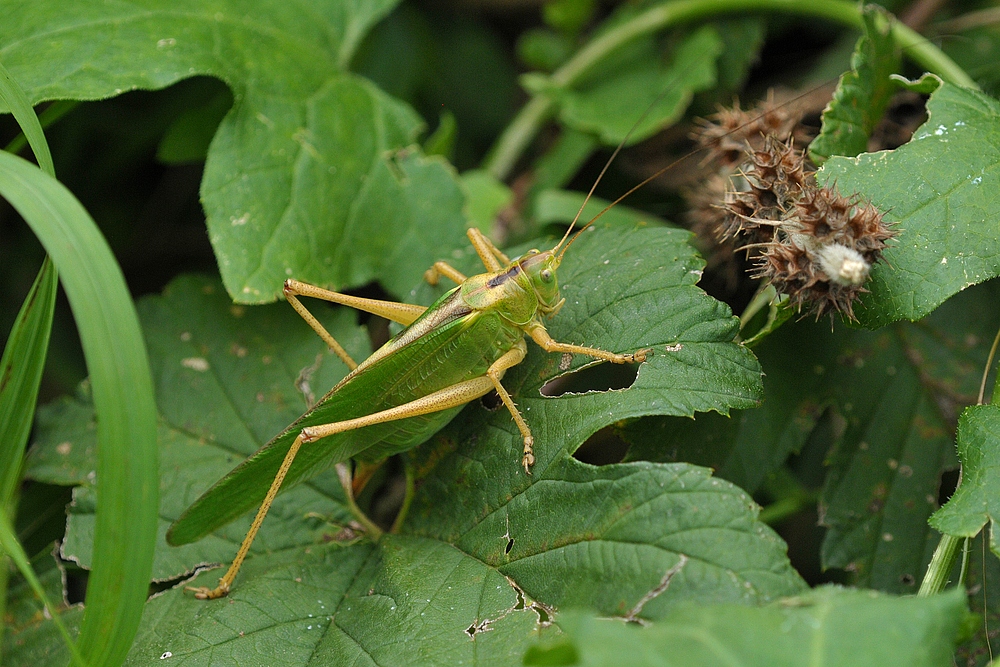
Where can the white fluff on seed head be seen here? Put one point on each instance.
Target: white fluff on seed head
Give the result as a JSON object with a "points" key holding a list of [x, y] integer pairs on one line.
{"points": [[845, 266]]}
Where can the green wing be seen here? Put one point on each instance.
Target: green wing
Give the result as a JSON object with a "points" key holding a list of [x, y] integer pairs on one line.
{"points": [[457, 346]]}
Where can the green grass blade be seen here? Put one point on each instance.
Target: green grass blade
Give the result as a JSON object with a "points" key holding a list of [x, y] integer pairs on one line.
{"points": [[14, 98], [24, 354], [20, 375], [12, 548], [123, 396], [49, 116]]}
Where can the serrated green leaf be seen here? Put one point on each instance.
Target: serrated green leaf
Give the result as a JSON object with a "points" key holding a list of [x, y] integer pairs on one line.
{"points": [[586, 536], [608, 105], [297, 174], [879, 402], [941, 188], [747, 447], [828, 626], [973, 504], [228, 377], [626, 289], [862, 93]]}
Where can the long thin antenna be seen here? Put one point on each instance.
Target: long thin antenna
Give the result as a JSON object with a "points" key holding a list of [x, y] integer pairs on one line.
{"points": [[660, 171], [607, 164]]}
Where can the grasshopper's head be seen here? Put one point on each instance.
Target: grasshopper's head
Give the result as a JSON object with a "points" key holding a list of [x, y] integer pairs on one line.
{"points": [[540, 270]]}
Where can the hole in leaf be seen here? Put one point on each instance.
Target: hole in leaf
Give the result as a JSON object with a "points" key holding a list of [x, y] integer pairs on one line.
{"points": [[383, 496], [491, 401], [543, 614], [602, 448], [599, 377], [520, 599], [510, 545], [76, 583], [908, 579], [949, 482], [477, 627]]}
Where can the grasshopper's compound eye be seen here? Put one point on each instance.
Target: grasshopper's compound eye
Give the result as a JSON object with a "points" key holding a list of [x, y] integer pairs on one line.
{"points": [[546, 275]]}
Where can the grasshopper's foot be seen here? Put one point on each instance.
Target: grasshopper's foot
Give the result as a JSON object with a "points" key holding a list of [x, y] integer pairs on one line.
{"points": [[529, 456], [431, 276], [640, 356], [205, 593]]}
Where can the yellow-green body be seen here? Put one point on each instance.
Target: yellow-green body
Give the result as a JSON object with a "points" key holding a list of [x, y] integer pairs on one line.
{"points": [[456, 339]]}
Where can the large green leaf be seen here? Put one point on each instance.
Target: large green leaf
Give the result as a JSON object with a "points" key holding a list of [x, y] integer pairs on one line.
{"points": [[942, 188], [829, 626], [614, 278], [750, 445], [298, 181], [905, 393], [885, 466], [882, 403]]}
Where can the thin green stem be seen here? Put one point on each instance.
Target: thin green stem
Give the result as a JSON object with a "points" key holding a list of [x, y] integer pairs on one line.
{"points": [[963, 571], [344, 474], [940, 566], [986, 372], [519, 134], [411, 488], [778, 511], [790, 496], [925, 53], [764, 297]]}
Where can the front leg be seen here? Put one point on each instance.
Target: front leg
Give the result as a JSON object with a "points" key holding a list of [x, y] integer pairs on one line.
{"points": [[547, 343]]}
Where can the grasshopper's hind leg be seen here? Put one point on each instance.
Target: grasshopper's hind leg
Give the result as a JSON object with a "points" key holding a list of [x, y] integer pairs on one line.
{"points": [[443, 399], [404, 313]]}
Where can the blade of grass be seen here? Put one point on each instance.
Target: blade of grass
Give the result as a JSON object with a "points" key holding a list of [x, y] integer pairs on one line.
{"points": [[27, 345], [12, 548], [20, 376], [13, 96], [49, 116], [123, 397]]}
